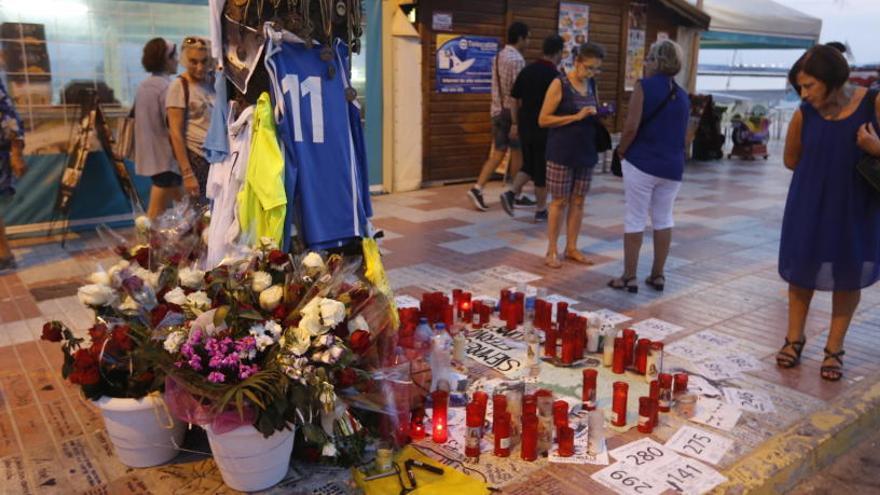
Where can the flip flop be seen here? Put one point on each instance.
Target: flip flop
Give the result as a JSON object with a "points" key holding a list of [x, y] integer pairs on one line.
{"points": [[578, 257]]}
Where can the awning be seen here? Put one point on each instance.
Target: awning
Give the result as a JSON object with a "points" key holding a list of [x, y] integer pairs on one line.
{"points": [[745, 24]]}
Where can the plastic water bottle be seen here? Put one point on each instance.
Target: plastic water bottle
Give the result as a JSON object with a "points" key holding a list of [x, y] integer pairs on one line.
{"points": [[441, 355], [423, 336]]}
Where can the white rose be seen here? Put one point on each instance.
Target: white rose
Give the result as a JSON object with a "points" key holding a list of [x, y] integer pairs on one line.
{"points": [[176, 296], [173, 341], [274, 329], [359, 323], [151, 279], [312, 308], [336, 353], [313, 261], [261, 281], [312, 325], [95, 295], [99, 278], [332, 312], [191, 278], [263, 341], [329, 450], [128, 306], [271, 297], [302, 340], [198, 301], [142, 223]]}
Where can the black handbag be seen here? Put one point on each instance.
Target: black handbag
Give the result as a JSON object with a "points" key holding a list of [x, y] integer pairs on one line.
{"points": [[616, 165], [869, 166]]}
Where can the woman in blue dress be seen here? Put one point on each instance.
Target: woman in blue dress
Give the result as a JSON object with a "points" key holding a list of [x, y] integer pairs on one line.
{"points": [[831, 227]]}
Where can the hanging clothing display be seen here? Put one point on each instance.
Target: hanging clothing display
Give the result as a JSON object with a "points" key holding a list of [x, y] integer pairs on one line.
{"points": [[262, 201], [224, 183], [216, 145], [320, 130]]}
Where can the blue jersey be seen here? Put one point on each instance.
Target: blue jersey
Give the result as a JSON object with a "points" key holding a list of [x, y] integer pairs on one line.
{"points": [[320, 130]]}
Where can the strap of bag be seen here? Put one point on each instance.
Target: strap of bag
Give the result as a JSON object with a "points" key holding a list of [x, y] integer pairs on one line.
{"points": [[185, 83], [660, 108]]}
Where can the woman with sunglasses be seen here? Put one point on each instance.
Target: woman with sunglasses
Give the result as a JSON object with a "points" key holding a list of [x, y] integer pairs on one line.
{"points": [[569, 112], [153, 155], [190, 102]]}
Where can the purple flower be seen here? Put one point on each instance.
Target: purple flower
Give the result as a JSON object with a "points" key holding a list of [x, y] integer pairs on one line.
{"points": [[195, 362], [245, 370], [216, 377]]}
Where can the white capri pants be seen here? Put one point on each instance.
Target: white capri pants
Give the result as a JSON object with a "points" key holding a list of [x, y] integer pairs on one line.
{"points": [[644, 193]]}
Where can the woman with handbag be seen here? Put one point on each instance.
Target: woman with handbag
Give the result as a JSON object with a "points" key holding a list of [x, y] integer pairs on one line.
{"points": [[831, 225], [152, 146], [651, 152], [569, 111]]}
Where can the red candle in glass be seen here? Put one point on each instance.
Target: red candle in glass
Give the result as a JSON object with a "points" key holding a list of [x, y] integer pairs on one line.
{"points": [[569, 344], [467, 312], [474, 430], [618, 403], [629, 341], [540, 308], [448, 315], [529, 447], [440, 416], [588, 392], [643, 348], [550, 342], [530, 404], [561, 313], [504, 303], [560, 413], [665, 399], [646, 415], [502, 434], [499, 407], [456, 296], [417, 429], [657, 348], [482, 400], [681, 383], [565, 440], [476, 307], [654, 394], [485, 314], [581, 329], [619, 364]]}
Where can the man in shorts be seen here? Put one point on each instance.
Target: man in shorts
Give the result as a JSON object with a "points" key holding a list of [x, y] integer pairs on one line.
{"points": [[505, 134], [529, 89]]}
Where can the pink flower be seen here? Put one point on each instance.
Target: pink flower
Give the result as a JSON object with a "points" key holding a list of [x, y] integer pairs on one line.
{"points": [[216, 377]]}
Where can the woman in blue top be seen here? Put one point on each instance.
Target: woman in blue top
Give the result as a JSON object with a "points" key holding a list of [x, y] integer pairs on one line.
{"points": [[652, 157], [831, 226], [569, 111], [12, 165]]}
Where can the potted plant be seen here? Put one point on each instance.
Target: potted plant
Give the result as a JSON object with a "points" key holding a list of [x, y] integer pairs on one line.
{"points": [[266, 340]]}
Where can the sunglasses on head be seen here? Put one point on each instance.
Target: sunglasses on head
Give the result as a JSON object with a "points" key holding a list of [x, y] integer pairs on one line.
{"points": [[193, 40]]}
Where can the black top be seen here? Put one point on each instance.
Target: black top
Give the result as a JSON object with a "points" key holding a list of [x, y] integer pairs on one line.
{"points": [[531, 88]]}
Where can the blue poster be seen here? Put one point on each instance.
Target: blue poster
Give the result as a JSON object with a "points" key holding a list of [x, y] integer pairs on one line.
{"points": [[464, 63]]}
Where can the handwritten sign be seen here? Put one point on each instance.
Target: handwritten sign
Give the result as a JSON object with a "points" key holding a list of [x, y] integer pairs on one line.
{"points": [[700, 345], [629, 480], [749, 400], [743, 362], [654, 329], [716, 414], [700, 444], [690, 476], [611, 317], [646, 467], [642, 452], [700, 386], [497, 351], [716, 369], [406, 302]]}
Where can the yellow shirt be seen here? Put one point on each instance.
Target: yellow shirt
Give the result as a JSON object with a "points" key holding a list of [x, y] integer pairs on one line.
{"points": [[262, 201]]}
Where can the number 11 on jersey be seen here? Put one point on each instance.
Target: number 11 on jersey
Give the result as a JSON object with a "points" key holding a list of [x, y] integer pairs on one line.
{"points": [[297, 90]]}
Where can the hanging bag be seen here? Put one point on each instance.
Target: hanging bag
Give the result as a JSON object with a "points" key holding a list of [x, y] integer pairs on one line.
{"points": [[869, 165], [616, 165]]}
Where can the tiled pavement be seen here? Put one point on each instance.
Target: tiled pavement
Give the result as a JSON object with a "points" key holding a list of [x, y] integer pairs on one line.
{"points": [[721, 276]]}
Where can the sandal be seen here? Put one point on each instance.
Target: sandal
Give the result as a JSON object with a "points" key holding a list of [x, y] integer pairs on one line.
{"points": [[552, 260], [656, 282], [788, 360], [832, 372], [578, 257], [624, 284]]}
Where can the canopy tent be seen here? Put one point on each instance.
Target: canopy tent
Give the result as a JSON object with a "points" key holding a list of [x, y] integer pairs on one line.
{"points": [[750, 24]]}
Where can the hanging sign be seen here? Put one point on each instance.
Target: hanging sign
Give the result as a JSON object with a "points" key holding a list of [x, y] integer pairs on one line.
{"points": [[464, 63], [635, 46], [574, 22]]}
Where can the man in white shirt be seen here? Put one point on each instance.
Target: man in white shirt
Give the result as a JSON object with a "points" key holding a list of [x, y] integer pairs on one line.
{"points": [[505, 134]]}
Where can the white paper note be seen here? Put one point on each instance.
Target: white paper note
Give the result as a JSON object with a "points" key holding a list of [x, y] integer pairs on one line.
{"points": [[655, 330], [749, 400], [689, 476], [716, 414], [405, 301], [611, 317], [700, 444]]}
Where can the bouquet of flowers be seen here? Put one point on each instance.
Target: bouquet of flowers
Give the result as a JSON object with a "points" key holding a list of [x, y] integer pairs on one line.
{"points": [[269, 339]]}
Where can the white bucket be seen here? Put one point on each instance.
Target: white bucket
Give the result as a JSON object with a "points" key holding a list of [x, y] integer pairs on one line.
{"points": [[248, 461], [143, 432]]}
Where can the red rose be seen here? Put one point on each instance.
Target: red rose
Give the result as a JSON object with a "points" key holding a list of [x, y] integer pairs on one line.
{"points": [[85, 368], [52, 332], [98, 333], [346, 377], [121, 339], [158, 314], [359, 341], [142, 256], [280, 313], [277, 257]]}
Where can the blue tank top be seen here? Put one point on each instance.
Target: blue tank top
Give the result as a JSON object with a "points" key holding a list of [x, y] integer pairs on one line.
{"points": [[574, 145], [658, 149]]}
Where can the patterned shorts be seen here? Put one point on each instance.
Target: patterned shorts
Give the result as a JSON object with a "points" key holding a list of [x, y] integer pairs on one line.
{"points": [[564, 182]]}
